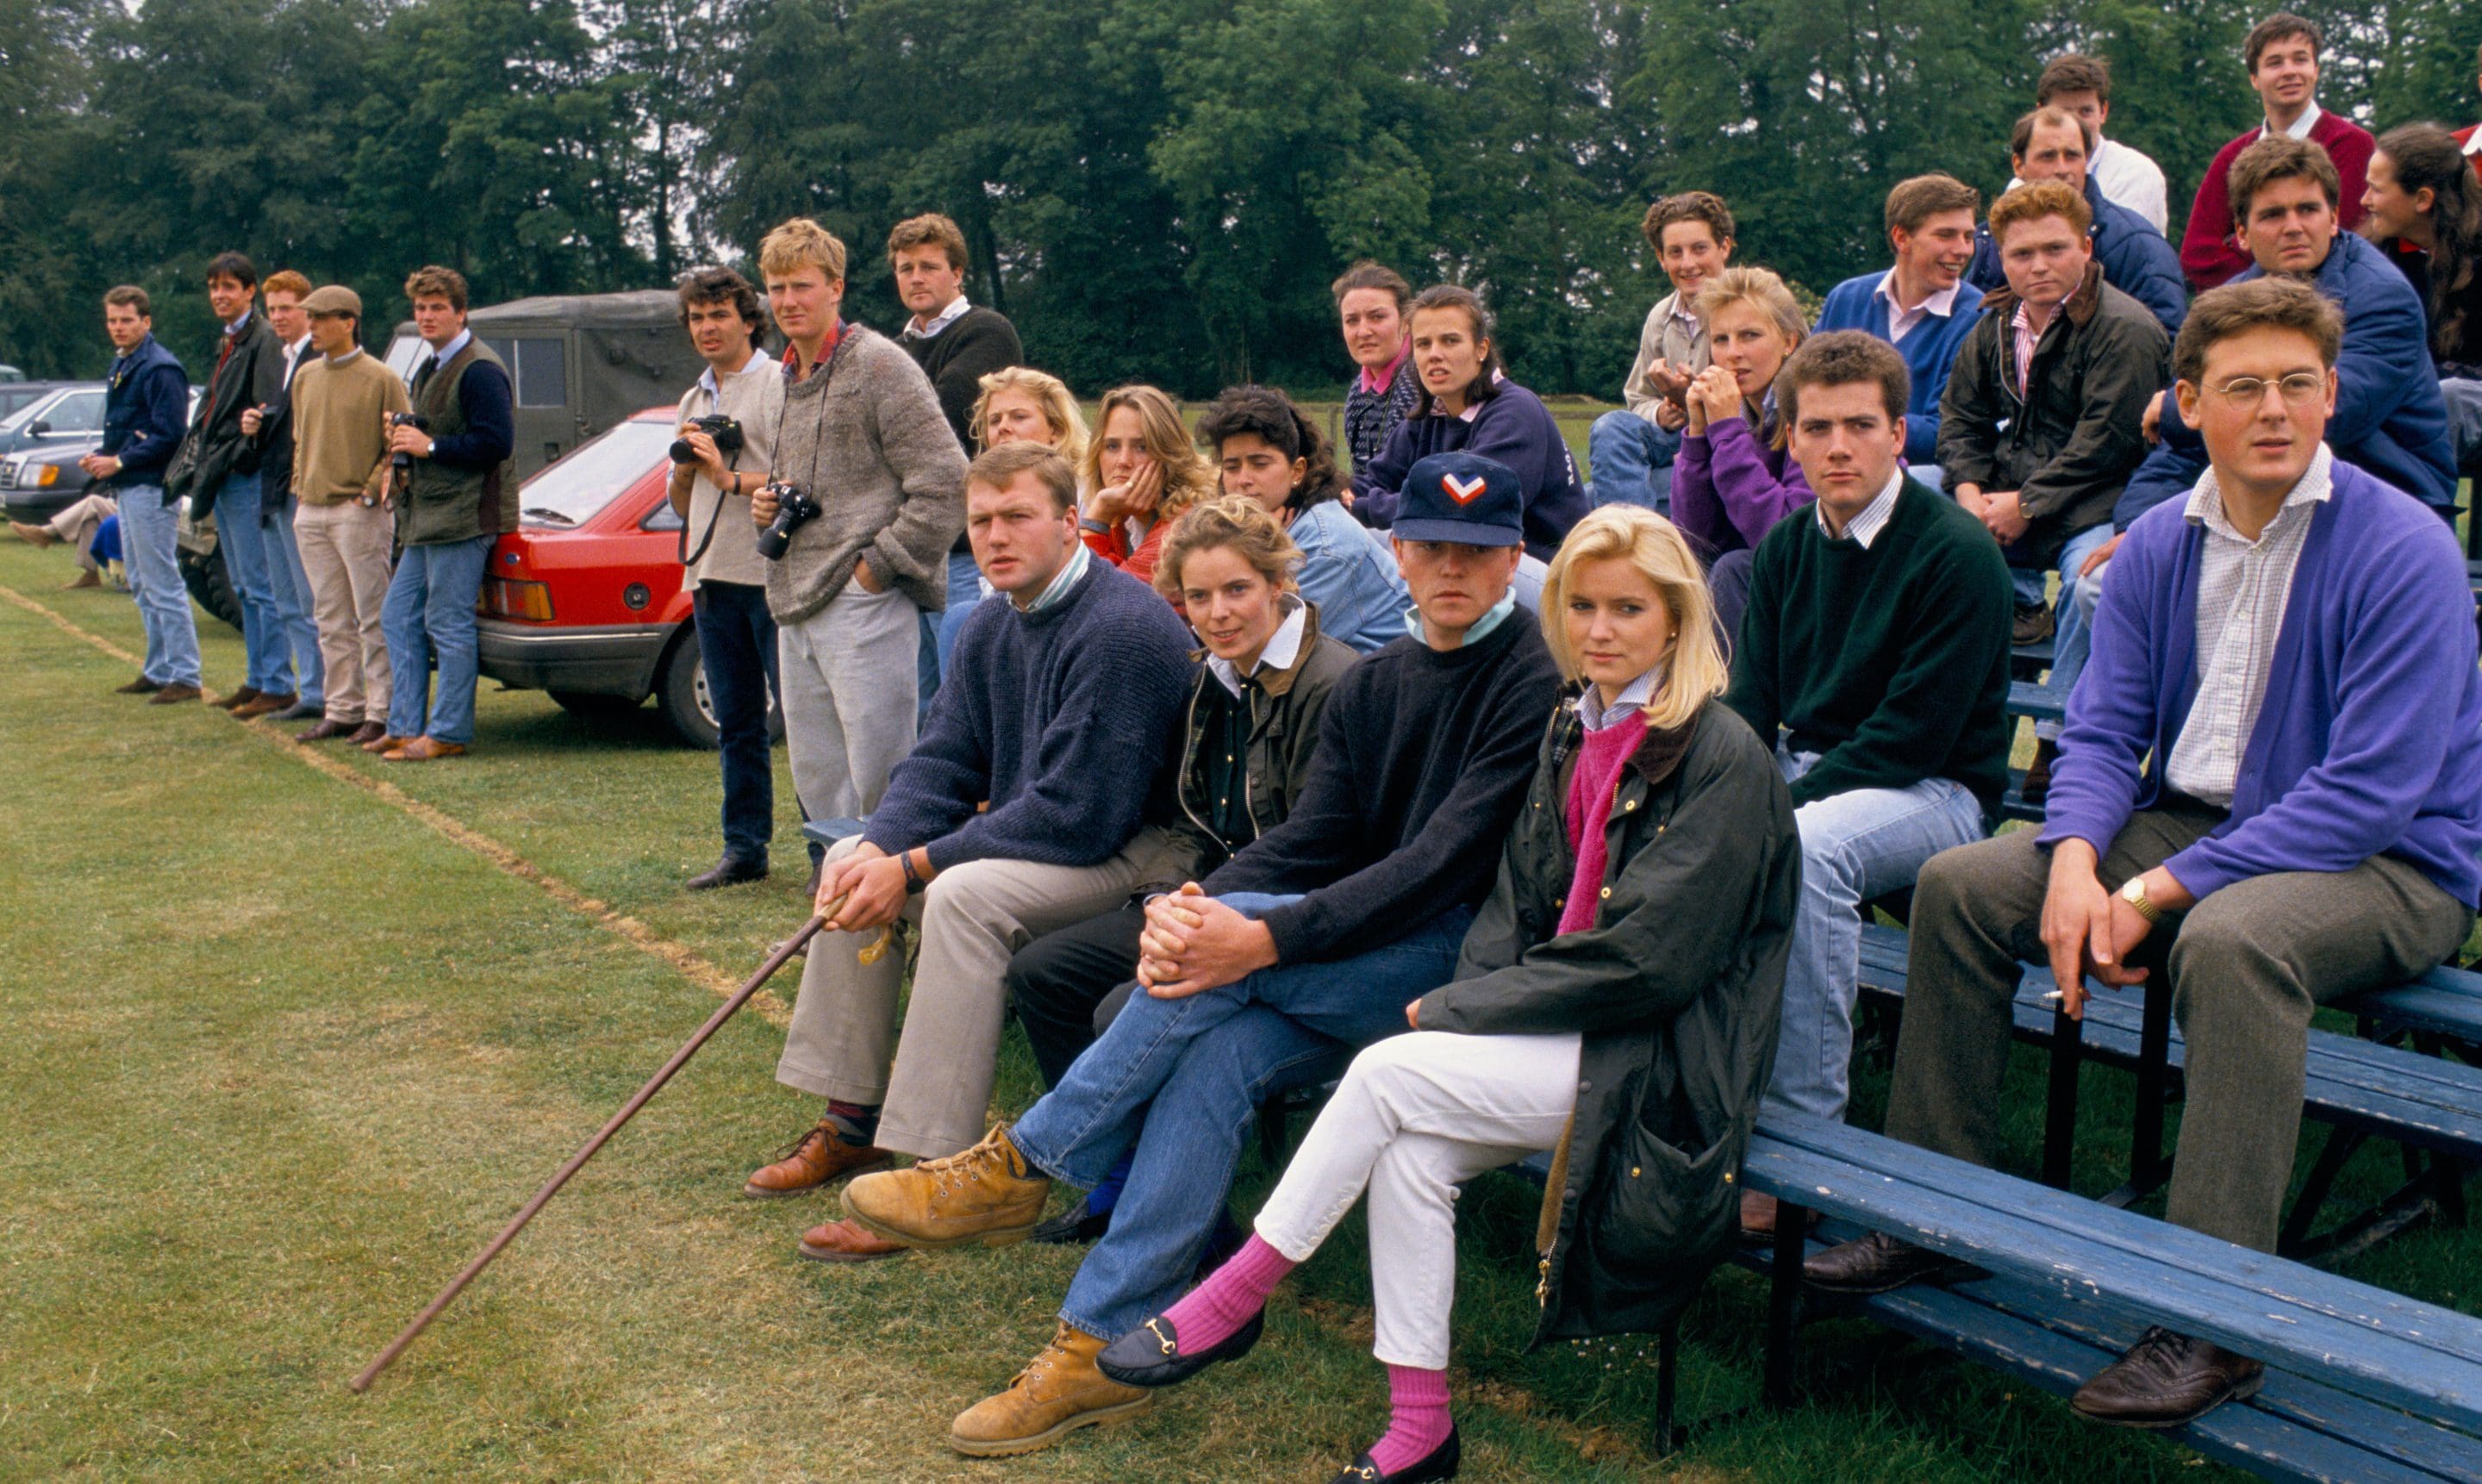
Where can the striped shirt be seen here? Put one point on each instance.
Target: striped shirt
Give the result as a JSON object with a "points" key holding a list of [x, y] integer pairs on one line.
{"points": [[2243, 586]]}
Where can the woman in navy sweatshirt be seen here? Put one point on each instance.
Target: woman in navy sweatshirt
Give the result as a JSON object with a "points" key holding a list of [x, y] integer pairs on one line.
{"points": [[1470, 403]]}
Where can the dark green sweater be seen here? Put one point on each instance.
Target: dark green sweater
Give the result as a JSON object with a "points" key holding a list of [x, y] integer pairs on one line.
{"points": [[1890, 663]]}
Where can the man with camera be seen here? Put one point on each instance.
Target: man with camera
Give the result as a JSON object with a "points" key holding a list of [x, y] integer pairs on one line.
{"points": [[454, 488], [342, 400], [869, 494], [727, 426]]}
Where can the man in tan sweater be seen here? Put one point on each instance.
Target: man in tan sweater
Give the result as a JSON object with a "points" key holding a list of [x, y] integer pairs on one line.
{"points": [[341, 403]]}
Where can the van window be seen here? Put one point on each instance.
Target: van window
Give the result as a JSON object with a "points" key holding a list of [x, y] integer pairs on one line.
{"points": [[542, 373]]}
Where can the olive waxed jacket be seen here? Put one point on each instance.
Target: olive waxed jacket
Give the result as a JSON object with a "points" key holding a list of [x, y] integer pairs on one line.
{"points": [[1678, 990]]}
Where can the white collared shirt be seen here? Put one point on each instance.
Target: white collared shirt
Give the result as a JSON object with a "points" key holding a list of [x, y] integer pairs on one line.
{"points": [[448, 353], [2243, 588], [1632, 699], [1865, 528], [957, 306], [1060, 585], [2301, 126], [1901, 321], [294, 355], [1283, 648], [338, 360], [2473, 146]]}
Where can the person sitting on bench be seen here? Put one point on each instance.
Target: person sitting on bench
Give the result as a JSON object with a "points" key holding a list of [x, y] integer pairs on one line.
{"points": [[2293, 645], [1615, 1001], [1269, 973]]}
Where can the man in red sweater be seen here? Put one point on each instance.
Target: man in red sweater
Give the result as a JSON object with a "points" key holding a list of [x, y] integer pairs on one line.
{"points": [[2283, 56]]}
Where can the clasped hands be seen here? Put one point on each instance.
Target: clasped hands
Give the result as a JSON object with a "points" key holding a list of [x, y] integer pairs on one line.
{"points": [[1193, 943], [2090, 932], [872, 883], [2000, 513]]}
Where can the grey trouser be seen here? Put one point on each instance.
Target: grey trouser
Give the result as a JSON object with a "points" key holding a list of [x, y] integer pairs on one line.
{"points": [[848, 678], [2247, 965], [78, 524], [973, 916]]}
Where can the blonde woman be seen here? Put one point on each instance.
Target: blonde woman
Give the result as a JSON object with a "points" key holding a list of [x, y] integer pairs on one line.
{"points": [[1024, 404], [1733, 480], [1616, 1003], [1140, 471]]}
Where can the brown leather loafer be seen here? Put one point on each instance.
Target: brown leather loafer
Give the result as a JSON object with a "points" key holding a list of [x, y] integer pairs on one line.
{"points": [[423, 749], [170, 693], [386, 742], [142, 686], [326, 729], [2167, 1380], [818, 1157], [262, 704], [1879, 1263], [369, 732], [238, 699], [841, 1241]]}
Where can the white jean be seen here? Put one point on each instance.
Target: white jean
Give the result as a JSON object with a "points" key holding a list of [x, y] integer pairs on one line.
{"points": [[1415, 1117]]}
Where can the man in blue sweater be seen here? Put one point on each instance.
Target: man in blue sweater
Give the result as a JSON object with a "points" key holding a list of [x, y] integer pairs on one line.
{"points": [[1267, 974], [2270, 789], [1920, 306], [2052, 144], [146, 407], [1056, 713]]}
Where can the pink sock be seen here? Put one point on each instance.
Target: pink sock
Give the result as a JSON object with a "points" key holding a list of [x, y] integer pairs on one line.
{"points": [[1419, 1401], [1208, 1313]]}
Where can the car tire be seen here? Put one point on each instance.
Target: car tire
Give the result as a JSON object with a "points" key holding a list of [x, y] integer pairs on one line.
{"points": [[680, 690], [210, 583]]}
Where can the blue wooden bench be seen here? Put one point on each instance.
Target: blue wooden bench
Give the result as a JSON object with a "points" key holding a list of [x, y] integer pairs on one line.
{"points": [[2363, 1385], [2360, 1088]]}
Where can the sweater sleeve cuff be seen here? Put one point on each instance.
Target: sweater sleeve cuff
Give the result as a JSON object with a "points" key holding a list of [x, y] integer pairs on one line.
{"points": [[2196, 870], [1288, 927], [1439, 1010]]}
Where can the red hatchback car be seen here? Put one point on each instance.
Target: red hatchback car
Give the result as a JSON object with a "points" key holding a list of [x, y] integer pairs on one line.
{"points": [[583, 601]]}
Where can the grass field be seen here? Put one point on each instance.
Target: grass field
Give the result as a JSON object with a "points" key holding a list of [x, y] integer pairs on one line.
{"points": [[290, 1038]]}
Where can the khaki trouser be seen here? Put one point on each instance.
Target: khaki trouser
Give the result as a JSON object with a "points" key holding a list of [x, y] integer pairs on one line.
{"points": [[2246, 965], [77, 525], [972, 917], [345, 553]]}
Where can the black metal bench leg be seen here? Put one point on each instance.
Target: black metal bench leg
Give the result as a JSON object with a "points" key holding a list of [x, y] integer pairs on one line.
{"points": [[1666, 1383], [1783, 1301], [2148, 1167], [2060, 1112]]}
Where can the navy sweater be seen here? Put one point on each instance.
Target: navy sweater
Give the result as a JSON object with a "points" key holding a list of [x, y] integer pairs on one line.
{"points": [[1050, 716], [1928, 352], [491, 433], [1423, 757], [145, 411], [1512, 426]]}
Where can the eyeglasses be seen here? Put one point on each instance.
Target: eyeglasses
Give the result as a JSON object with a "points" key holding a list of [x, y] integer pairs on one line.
{"points": [[2300, 389]]}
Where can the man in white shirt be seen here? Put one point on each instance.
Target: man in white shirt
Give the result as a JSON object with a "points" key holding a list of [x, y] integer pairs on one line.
{"points": [[2080, 84], [1630, 453]]}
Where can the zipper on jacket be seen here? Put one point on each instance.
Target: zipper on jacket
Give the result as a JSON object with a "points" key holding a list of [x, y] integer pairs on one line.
{"points": [[1181, 788]]}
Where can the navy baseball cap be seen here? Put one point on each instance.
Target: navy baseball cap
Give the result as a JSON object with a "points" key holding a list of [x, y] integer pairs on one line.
{"points": [[1462, 497]]}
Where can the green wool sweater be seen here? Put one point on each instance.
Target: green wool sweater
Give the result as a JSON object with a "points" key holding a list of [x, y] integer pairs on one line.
{"points": [[1890, 662]]}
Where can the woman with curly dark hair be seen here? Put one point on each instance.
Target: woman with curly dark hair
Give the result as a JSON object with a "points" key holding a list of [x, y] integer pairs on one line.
{"points": [[2423, 207]]}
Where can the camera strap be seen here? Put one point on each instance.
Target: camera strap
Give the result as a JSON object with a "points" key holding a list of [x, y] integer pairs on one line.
{"points": [[690, 558]]}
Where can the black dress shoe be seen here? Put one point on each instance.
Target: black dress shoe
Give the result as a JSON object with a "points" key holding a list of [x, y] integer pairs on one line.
{"points": [[1150, 1355], [142, 686], [1077, 1228], [1879, 1263], [730, 871], [1441, 1464], [2167, 1380]]}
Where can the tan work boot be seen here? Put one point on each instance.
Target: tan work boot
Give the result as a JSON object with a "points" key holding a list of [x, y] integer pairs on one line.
{"points": [[987, 1194], [1059, 1392]]}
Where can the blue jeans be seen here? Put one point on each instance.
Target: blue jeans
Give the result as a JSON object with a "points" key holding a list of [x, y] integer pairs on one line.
{"points": [[148, 545], [1179, 1082], [1854, 846], [737, 641], [965, 591], [265, 663], [2070, 641], [2464, 399], [428, 617], [1631, 459], [290, 585]]}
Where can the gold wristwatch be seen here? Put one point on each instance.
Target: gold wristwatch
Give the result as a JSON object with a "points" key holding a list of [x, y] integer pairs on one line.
{"points": [[2133, 893]]}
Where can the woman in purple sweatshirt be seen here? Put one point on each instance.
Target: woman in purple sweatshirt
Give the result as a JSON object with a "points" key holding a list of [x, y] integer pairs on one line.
{"points": [[1735, 476]]}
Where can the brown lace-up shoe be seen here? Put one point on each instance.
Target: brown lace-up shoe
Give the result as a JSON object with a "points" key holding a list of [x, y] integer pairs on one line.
{"points": [[987, 1194], [261, 704], [822, 1154], [423, 749], [369, 732], [172, 695], [142, 686], [240, 697], [2167, 1380], [1059, 1392], [841, 1241]]}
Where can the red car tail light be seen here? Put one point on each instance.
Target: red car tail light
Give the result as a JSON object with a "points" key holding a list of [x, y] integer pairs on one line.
{"points": [[507, 597]]}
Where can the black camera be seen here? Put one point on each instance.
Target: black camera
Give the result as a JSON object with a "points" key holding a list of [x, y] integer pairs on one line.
{"points": [[401, 461], [726, 432], [794, 509]]}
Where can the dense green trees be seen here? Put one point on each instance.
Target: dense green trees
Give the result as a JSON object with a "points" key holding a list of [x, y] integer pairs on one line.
{"points": [[1156, 189]]}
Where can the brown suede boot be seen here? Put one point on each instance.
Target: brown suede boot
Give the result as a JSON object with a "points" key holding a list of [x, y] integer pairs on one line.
{"points": [[816, 1157], [989, 1194], [1059, 1392]]}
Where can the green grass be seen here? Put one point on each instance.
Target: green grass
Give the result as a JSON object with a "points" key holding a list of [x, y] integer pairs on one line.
{"points": [[281, 1057]]}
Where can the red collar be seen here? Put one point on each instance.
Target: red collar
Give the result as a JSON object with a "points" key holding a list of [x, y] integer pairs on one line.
{"points": [[793, 357]]}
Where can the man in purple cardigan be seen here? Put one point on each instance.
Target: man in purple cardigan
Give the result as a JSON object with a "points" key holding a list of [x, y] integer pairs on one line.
{"points": [[2293, 647]]}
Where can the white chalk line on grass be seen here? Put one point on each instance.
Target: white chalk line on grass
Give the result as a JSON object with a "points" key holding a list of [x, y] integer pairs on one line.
{"points": [[691, 966]]}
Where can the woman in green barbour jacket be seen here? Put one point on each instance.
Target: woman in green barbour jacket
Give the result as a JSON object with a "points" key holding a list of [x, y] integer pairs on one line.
{"points": [[1616, 1003]]}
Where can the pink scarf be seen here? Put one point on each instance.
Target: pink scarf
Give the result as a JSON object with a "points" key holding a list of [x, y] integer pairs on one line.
{"points": [[1591, 787]]}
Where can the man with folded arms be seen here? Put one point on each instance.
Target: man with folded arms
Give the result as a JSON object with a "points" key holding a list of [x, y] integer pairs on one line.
{"points": [[1059, 708], [1269, 974], [2270, 788]]}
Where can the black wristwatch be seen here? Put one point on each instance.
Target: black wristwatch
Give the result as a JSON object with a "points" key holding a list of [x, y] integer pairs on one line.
{"points": [[913, 881]]}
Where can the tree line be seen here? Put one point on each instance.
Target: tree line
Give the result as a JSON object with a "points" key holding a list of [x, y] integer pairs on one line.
{"points": [[1154, 190]]}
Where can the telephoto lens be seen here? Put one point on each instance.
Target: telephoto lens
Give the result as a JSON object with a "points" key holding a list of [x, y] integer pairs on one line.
{"points": [[794, 509]]}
